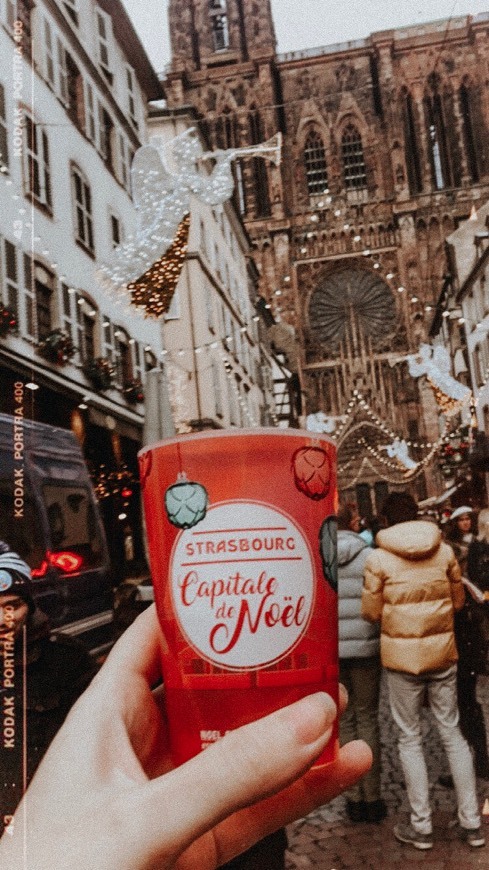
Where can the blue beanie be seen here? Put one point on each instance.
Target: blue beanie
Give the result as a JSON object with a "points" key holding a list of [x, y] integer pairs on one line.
{"points": [[15, 576]]}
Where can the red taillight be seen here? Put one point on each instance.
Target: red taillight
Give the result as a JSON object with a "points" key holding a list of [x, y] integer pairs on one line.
{"points": [[41, 570], [65, 561]]}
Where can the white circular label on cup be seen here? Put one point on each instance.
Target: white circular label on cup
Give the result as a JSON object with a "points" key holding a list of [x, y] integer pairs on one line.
{"points": [[242, 583]]}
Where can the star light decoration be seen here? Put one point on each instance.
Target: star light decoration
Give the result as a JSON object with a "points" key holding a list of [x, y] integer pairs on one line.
{"points": [[147, 265], [434, 363]]}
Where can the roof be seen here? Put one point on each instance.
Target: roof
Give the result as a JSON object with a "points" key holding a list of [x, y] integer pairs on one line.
{"points": [[133, 48], [411, 31]]}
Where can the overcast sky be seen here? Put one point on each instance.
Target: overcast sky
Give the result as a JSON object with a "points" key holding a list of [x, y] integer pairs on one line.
{"points": [[309, 23]]}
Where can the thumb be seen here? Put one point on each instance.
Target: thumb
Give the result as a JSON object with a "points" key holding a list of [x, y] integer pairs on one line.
{"points": [[247, 765]]}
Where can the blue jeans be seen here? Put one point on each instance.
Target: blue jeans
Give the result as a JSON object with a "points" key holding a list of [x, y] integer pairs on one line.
{"points": [[406, 696]]}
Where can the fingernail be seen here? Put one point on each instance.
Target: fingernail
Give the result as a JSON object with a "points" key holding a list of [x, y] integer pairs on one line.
{"points": [[311, 717]]}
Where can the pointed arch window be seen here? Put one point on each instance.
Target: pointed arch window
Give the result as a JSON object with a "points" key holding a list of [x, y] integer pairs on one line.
{"points": [[230, 129], [226, 130], [439, 153], [466, 112], [226, 135], [259, 169], [411, 144], [219, 24], [240, 192], [315, 164], [354, 170]]}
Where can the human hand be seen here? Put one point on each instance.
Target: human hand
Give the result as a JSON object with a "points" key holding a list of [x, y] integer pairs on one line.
{"points": [[106, 797]]}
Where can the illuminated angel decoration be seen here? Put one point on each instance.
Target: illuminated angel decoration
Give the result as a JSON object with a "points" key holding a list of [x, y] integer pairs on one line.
{"points": [[399, 451], [434, 362], [165, 177]]}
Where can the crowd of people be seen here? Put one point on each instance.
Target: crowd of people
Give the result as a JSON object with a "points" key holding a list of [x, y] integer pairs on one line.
{"points": [[412, 603]]}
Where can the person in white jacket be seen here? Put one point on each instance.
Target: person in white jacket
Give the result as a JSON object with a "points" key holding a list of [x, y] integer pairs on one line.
{"points": [[360, 668]]}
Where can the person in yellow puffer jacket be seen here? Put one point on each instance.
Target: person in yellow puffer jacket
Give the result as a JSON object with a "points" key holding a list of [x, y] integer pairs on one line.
{"points": [[412, 585]]}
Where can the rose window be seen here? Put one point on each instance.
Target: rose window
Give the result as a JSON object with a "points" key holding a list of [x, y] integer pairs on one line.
{"points": [[350, 301]]}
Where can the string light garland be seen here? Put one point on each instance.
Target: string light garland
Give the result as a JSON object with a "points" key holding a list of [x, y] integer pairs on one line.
{"points": [[363, 465], [178, 380], [345, 465], [199, 349], [406, 478], [407, 474], [44, 251], [347, 417], [122, 298], [229, 371], [358, 398], [232, 381], [113, 483]]}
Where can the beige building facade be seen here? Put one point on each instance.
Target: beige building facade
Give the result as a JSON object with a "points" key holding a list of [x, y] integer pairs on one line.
{"points": [[218, 368]]}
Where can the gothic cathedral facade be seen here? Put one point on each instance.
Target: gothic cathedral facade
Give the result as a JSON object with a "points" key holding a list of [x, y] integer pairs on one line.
{"points": [[385, 152]]}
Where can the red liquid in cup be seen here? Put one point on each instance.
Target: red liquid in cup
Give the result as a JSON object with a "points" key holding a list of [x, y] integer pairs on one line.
{"points": [[243, 558]]}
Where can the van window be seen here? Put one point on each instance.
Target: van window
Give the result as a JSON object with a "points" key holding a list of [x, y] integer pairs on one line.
{"points": [[72, 521]]}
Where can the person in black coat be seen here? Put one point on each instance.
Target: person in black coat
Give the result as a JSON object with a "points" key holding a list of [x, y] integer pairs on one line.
{"points": [[469, 633], [41, 676], [472, 634]]}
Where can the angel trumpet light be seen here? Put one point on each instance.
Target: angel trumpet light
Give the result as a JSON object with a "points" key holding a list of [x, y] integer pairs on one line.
{"points": [[269, 150], [144, 269]]}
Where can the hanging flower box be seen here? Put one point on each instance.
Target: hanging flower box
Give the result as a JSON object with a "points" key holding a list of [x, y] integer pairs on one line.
{"points": [[133, 391], [57, 347], [8, 321], [100, 372]]}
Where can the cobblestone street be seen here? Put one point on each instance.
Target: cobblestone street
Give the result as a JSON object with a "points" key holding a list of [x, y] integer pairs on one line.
{"points": [[326, 839]]}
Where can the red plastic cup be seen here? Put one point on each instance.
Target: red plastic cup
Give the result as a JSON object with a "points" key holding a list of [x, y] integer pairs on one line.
{"points": [[242, 543]]}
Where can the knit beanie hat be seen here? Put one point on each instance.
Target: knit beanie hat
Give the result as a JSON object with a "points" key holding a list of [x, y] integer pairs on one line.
{"points": [[15, 576]]}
